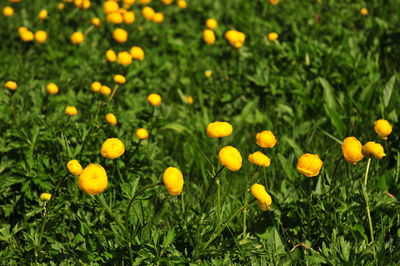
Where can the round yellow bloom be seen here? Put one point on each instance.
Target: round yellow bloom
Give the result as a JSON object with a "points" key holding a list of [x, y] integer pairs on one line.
{"points": [[60, 6], [119, 79], [110, 7], [154, 99], [364, 11], [105, 90], [41, 36], [208, 36], [111, 119], [115, 18], [112, 148], [124, 58], [22, 29], [11, 85], [383, 128], [274, 2], [167, 2], [96, 22], [71, 110], [8, 11], [373, 149], [93, 179], [148, 13], [129, 17], [95, 86], [188, 99], [259, 158], [74, 167], [309, 164], [208, 73], [219, 129], [42, 14], [86, 4], [120, 35], [235, 38], [211, 23], [173, 180], [45, 196], [158, 17], [272, 36], [27, 36], [52, 88], [77, 37], [264, 199], [352, 150], [145, 2], [129, 3], [137, 53], [111, 56], [142, 133], [230, 157], [182, 4], [266, 139]]}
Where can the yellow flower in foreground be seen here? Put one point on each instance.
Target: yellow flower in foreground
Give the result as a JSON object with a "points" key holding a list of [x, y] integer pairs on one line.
{"points": [[182, 4], [309, 164], [272, 36], [264, 199], [74, 167], [173, 180], [148, 13], [219, 129], [142, 133], [209, 36], [374, 149], [120, 35], [383, 128], [105, 90], [112, 148], [137, 53], [158, 17], [95, 86], [364, 11], [11, 85], [188, 99], [230, 157], [43, 14], [154, 99], [71, 110], [93, 179], [111, 56], [8, 11], [352, 150], [45, 196], [266, 139], [211, 23], [111, 119], [124, 58], [259, 158], [52, 88], [77, 37], [41, 36], [119, 79]]}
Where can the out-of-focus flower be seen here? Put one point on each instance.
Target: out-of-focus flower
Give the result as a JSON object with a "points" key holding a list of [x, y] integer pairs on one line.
{"points": [[111, 119], [211, 23], [110, 7], [45, 196], [120, 79], [41, 36], [71, 110], [8, 11], [96, 22], [272, 36], [263, 198], [124, 58], [154, 99], [77, 37], [11, 85], [182, 4], [52, 88], [209, 36], [188, 99], [142, 133], [120, 35], [129, 17], [148, 13], [95, 86], [364, 11], [208, 73], [235, 38], [105, 90], [137, 53], [42, 14], [111, 56]]}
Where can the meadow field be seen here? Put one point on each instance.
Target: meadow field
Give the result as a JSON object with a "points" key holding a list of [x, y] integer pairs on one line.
{"points": [[199, 132]]}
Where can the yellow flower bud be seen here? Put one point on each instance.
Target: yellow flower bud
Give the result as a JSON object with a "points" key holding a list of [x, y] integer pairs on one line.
{"points": [[105, 90], [274, 2], [95, 86], [309, 164], [60, 6], [52, 88], [93, 179], [43, 14], [137, 53], [77, 37], [364, 11], [219, 129], [111, 56], [96, 22], [129, 17], [208, 36], [266, 139], [383, 128], [8, 11], [235, 38], [188, 99], [71, 110], [74, 167], [148, 13], [128, 3], [158, 17], [112, 148], [352, 150], [154, 99], [111, 119], [211, 23], [124, 58], [182, 4], [142, 133], [11, 85], [208, 73], [173, 180], [27, 36], [167, 2], [115, 18], [110, 7], [264, 199], [259, 158], [45, 196], [272, 36], [120, 35], [41, 36], [230, 157], [373, 149], [86, 4], [119, 79], [22, 29]]}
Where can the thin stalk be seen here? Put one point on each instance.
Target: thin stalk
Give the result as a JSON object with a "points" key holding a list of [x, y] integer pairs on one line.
{"points": [[39, 241], [218, 199], [332, 137], [112, 94]]}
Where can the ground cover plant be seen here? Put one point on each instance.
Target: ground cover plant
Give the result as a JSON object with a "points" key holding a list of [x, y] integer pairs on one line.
{"points": [[199, 132]]}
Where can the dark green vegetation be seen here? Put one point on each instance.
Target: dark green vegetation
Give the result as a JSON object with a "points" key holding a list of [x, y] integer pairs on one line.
{"points": [[333, 72]]}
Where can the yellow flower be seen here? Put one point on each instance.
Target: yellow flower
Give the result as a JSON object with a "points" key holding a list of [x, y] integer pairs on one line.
{"points": [[352, 150], [264, 199], [11, 85], [115, 18], [52, 88], [145, 2], [373, 149], [111, 119], [119, 79], [137, 53], [43, 14], [309, 164], [383, 128], [208, 36], [105, 90], [60, 6], [41, 36], [71, 110], [148, 13], [22, 29], [129, 17], [235, 38], [128, 3], [111, 56], [93, 179], [110, 7], [124, 58], [211, 23], [8, 11], [182, 4], [208, 73], [154, 99], [219, 129], [77, 37], [27, 36], [74, 167], [188, 99], [95, 86], [142, 133], [112, 148], [158, 17], [120, 35], [96, 22], [230, 157], [45, 196], [266, 139], [173, 180], [272, 36], [364, 11], [274, 2], [167, 2], [260, 159]]}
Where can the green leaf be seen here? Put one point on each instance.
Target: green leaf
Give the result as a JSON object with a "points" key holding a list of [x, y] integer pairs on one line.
{"points": [[387, 92], [169, 238]]}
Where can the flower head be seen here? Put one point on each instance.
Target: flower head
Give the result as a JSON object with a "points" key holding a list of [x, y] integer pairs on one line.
{"points": [[173, 180], [129, 17], [110, 7], [211, 23], [71, 110], [120, 35], [148, 13], [111, 119], [373, 149], [154, 99], [158, 17], [188, 99], [11, 85], [364, 11], [266, 139], [120, 79], [264, 199], [142, 133], [209, 36], [8, 11], [230, 157], [95, 86], [43, 14], [208, 73], [137, 53], [352, 150], [93, 179], [41, 36], [309, 164], [74, 167], [96, 22], [77, 37], [383, 128], [182, 4], [235, 38], [111, 56], [52, 88], [219, 129], [272, 36], [259, 158], [105, 90], [112, 148], [45, 196], [124, 58]]}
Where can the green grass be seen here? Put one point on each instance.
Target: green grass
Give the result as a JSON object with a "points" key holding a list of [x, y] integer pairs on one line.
{"points": [[330, 78]]}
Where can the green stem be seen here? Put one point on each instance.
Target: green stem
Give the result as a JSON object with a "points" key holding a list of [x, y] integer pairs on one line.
{"points": [[39, 241], [364, 190], [332, 137], [112, 94], [218, 199]]}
